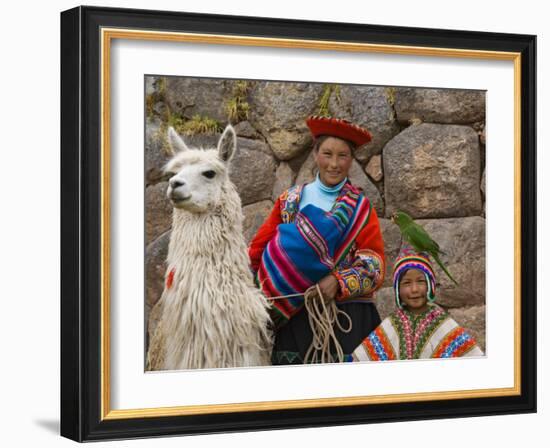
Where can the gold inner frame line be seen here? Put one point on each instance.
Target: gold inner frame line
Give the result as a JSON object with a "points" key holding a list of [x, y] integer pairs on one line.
{"points": [[107, 35]]}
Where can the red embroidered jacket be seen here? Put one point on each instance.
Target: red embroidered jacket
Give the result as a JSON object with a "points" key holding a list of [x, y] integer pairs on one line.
{"points": [[359, 274]]}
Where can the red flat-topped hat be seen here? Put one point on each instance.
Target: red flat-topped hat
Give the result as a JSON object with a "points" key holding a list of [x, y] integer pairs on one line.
{"points": [[338, 127]]}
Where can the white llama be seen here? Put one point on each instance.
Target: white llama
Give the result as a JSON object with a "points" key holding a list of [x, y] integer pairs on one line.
{"points": [[212, 314]]}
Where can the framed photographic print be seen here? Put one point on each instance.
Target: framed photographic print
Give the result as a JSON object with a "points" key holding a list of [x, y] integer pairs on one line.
{"points": [[275, 224]]}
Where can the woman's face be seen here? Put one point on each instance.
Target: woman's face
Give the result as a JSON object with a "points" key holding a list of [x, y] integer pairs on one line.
{"points": [[334, 160], [413, 290]]}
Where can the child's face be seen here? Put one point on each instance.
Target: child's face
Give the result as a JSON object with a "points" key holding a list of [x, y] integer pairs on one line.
{"points": [[413, 290]]}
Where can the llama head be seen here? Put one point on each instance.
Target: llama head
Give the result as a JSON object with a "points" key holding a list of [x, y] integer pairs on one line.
{"points": [[199, 176]]}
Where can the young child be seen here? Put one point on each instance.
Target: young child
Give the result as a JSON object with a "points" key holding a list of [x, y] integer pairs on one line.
{"points": [[419, 328]]}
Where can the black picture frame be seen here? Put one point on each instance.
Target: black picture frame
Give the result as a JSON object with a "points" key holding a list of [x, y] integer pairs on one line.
{"points": [[82, 407]]}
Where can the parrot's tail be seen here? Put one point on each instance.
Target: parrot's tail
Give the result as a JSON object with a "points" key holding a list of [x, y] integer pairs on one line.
{"points": [[442, 266]]}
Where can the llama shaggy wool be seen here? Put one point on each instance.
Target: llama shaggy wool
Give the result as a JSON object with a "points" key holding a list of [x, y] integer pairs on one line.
{"points": [[212, 314]]}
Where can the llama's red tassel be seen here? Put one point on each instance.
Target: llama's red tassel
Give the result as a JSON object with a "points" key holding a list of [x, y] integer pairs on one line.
{"points": [[170, 278]]}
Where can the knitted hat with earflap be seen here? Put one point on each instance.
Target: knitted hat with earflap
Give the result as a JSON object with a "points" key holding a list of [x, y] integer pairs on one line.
{"points": [[407, 259]]}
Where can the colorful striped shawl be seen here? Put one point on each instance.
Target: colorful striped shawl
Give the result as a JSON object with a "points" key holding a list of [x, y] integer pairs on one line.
{"points": [[307, 249]]}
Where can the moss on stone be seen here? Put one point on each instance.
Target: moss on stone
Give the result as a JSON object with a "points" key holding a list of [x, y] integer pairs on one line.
{"points": [[149, 105], [199, 125], [390, 95], [323, 107], [236, 107]]}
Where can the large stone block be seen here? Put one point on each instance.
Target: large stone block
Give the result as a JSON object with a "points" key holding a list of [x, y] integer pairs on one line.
{"points": [[197, 96], [369, 107], [253, 171], [156, 154], [254, 217], [279, 110], [246, 130], [374, 168], [158, 211], [284, 179], [308, 171], [359, 178], [463, 241], [439, 105], [155, 268], [433, 171]]}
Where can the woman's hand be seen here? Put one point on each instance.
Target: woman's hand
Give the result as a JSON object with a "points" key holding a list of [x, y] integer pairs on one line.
{"points": [[329, 287]]}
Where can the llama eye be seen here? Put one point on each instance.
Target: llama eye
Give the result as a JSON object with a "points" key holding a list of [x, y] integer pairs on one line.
{"points": [[209, 174]]}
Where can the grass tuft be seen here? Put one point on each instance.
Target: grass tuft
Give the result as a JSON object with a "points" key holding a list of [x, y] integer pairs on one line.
{"points": [[237, 108]]}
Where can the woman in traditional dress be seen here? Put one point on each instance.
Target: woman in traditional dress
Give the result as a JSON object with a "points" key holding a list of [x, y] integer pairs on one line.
{"points": [[320, 255], [419, 328]]}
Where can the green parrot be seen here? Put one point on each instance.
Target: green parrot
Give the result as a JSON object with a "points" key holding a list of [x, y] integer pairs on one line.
{"points": [[419, 239]]}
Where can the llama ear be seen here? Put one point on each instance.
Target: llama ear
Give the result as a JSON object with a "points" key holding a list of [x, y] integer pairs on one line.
{"points": [[227, 144], [176, 142]]}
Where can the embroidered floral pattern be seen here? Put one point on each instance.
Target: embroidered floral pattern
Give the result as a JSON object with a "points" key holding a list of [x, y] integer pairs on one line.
{"points": [[415, 330], [359, 274], [290, 201]]}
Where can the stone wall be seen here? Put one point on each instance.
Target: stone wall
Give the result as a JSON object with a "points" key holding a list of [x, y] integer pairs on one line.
{"points": [[427, 157]]}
